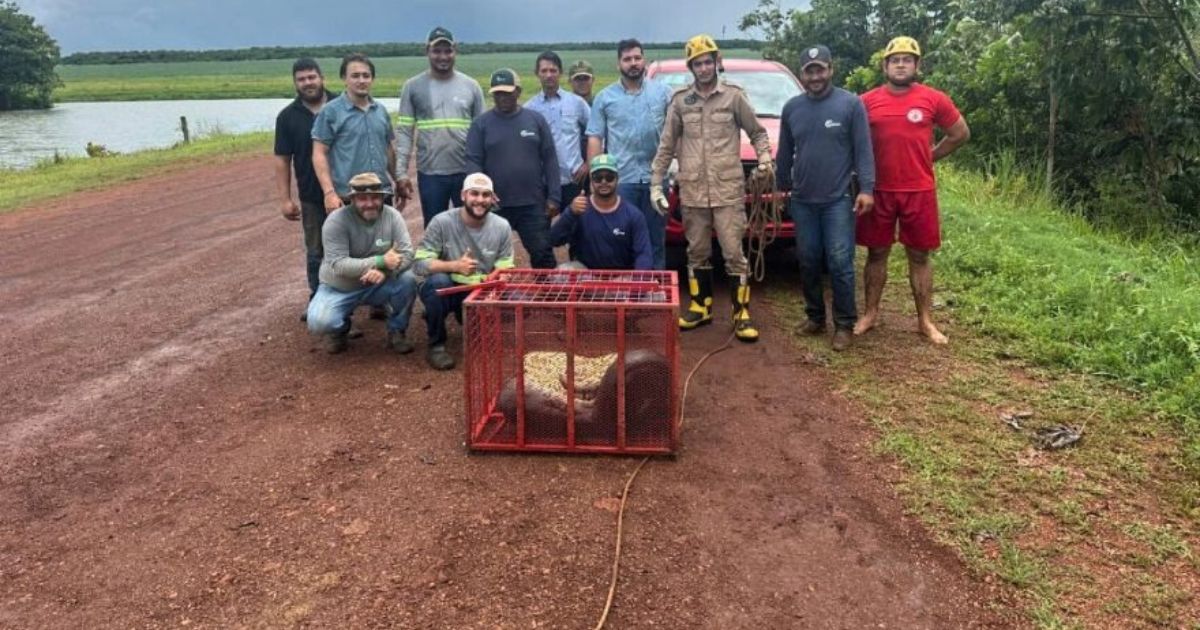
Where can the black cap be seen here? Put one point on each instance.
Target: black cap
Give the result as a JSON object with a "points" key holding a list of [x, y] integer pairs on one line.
{"points": [[815, 54], [505, 80], [439, 34]]}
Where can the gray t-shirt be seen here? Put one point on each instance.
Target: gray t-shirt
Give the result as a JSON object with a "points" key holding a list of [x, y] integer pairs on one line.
{"points": [[447, 237], [351, 245], [440, 112]]}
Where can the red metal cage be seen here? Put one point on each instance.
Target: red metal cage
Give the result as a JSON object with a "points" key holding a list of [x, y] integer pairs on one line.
{"points": [[573, 361]]}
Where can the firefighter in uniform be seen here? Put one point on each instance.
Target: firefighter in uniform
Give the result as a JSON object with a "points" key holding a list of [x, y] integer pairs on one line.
{"points": [[703, 131]]}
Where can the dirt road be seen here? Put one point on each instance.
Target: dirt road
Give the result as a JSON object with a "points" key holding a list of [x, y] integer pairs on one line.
{"points": [[176, 450]]}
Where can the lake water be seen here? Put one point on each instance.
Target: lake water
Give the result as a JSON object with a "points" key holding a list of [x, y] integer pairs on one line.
{"points": [[28, 136]]}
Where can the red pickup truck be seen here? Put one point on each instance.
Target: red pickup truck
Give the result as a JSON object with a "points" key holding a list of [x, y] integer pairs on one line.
{"points": [[769, 85]]}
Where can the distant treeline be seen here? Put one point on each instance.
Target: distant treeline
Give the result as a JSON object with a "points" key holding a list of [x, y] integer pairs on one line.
{"points": [[394, 49]]}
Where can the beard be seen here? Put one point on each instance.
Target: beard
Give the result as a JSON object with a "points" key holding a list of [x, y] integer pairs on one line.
{"points": [[312, 95], [478, 211], [633, 74], [904, 82]]}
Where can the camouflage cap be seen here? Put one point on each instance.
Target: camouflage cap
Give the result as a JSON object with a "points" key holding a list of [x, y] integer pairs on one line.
{"points": [[581, 67]]}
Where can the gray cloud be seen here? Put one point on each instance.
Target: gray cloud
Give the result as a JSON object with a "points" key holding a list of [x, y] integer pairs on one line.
{"points": [[86, 25]]}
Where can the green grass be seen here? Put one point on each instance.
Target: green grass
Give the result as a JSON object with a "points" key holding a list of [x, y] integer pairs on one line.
{"points": [[1055, 291], [1080, 327], [271, 79], [55, 178]]}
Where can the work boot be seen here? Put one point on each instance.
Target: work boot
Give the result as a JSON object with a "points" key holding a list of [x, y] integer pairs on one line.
{"points": [[439, 358], [842, 337], [743, 328], [336, 342], [700, 310], [809, 327], [398, 343]]}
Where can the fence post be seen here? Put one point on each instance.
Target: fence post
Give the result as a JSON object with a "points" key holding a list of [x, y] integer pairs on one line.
{"points": [[187, 138]]}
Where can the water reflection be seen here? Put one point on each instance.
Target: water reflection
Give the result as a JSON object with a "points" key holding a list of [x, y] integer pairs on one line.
{"points": [[27, 136]]}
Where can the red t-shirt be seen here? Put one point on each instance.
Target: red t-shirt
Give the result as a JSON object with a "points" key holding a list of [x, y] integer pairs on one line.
{"points": [[902, 135]]}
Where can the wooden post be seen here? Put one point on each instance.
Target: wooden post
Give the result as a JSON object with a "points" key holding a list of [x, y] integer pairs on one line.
{"points": [[187, 138]]}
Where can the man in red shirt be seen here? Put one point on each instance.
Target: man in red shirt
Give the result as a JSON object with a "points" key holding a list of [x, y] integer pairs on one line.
{"points": [[902, 114]]}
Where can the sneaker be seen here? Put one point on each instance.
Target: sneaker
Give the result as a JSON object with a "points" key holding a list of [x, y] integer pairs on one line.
{"points": [[336, 342], [809, 327], [842, 338], [439, 359], [398, 343]]}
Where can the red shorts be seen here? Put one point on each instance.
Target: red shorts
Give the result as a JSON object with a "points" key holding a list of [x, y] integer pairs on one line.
{"points": [[916, 213]]}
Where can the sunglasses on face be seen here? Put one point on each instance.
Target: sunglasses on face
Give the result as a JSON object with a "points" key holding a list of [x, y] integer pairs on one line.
{"points": [[604, 177]]}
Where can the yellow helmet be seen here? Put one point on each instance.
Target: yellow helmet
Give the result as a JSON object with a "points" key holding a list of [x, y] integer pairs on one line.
{"points": [[699, 45], [902, 45]]}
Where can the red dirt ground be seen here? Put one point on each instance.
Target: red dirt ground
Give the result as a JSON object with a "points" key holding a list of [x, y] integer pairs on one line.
{"points": [[175, 450]]}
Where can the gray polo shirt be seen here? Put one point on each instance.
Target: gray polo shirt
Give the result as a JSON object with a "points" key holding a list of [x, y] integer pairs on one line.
{"points": [[358, 141]]}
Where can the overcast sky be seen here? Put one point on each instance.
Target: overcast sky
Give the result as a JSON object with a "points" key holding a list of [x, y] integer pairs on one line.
{"points": [[90, 25]]}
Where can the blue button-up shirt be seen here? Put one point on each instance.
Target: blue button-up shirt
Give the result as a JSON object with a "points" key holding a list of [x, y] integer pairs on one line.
{"points": [[567, 114], [630, 124], [358, 141]]}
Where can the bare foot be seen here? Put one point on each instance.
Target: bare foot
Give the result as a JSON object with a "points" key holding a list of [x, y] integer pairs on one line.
{"points": [[865, 323], [931, 331]]}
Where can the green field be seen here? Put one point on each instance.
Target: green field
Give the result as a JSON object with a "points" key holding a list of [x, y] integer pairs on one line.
{"points": [[272, 79]]}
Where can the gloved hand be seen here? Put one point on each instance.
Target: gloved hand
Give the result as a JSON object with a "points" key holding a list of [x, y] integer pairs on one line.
{"points": [[659, 200], [765, 170]]}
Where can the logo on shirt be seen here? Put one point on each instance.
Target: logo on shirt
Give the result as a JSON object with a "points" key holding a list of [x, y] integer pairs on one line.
{"points": [[382, 242], [525, 133], [830, 124], [618, 232], [915, 115]]}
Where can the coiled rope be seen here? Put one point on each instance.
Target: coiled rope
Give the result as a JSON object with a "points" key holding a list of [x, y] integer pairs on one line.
{"points": [[765, 215]]}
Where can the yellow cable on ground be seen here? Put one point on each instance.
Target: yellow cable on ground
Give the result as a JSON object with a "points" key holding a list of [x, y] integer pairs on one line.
{"points": [[616, 567], [764, 217]]}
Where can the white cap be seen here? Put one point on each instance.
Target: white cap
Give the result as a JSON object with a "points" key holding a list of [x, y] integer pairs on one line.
{"points": [[478, 181]]}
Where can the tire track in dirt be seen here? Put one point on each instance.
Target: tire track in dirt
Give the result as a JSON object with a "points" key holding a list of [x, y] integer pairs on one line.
{"points": [[174, 449]]}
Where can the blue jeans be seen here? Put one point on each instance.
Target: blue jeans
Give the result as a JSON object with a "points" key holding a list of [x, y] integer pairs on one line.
{"points": [[656, 224], [312, 218], [438, 307], [439, 192], [329, 310], [825, 242], [533, 226]]}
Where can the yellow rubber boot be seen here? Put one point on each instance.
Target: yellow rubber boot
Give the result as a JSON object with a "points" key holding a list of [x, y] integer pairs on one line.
{"points": [[699, 312], [743, 327]]}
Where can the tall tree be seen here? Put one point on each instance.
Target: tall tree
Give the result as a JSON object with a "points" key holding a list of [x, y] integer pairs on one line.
{"points": [[28, 56]]}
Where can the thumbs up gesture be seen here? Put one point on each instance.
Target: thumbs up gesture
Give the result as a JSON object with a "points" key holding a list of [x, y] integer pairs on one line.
{"points": [[467, 265], [579, 204]]}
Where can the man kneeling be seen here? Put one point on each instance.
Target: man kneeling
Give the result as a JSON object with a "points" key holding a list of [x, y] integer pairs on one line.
{"points": [[604, 231], [460, 246], [367, 257]]}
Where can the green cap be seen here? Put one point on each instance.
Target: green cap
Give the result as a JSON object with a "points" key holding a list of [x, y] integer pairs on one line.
{"points": [[439, 34], [581, 67], [603, 162], [505, 80]]}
